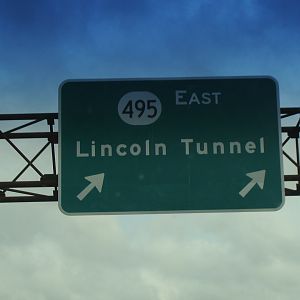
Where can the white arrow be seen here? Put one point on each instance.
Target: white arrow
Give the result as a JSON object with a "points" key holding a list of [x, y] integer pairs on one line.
{"points": [[258, 178], [96, 181]]}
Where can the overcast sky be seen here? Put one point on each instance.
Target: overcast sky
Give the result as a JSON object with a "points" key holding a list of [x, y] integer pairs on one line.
{"points": [[47, 255]]}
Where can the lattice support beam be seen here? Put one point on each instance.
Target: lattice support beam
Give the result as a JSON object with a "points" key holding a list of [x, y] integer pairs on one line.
{"points": [[18, 190], [292, 136]]}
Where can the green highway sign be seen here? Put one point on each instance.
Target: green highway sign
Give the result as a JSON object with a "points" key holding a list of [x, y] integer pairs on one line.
{"points": [[169, 145]]}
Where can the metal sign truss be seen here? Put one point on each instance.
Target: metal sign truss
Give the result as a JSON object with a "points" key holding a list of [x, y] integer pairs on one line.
{"points": [[17, 190], [290, 136]]}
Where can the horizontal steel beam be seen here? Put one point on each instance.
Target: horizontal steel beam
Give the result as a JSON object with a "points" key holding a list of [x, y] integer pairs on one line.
{"points": [[292, 178], [37, 116], [29, 135], [289, 192], [290, 110], [26, 184], [290, 129], [10, 199]]}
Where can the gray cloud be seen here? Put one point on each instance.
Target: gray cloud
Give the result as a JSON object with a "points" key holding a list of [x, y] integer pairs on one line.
{"points": [[218, 256]]}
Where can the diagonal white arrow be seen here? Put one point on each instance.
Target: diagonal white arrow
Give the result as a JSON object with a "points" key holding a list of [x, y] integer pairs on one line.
{"points": [[258, 178], [96, 181]]}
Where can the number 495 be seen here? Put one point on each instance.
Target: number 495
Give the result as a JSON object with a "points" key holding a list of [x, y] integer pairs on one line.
{"points": [[140, 107]]}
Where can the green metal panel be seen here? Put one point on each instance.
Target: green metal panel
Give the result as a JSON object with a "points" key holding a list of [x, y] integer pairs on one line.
{"points": [[170, 145]]}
